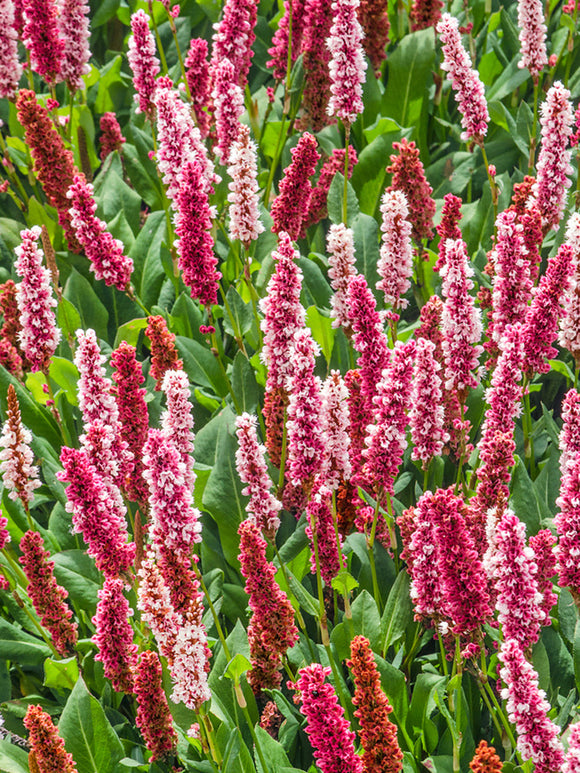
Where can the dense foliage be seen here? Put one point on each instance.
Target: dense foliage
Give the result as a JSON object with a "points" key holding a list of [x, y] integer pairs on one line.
{"points": [[289, 352]]}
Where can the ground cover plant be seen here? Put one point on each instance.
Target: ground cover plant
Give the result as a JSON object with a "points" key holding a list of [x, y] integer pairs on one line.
{"points": [[289, 352]]}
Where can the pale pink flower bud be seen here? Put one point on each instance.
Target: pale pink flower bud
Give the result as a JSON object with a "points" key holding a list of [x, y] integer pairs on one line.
{"points": [[470, 92], [347, 65], [553, 167], [143, 62], [10, 67], [532, 36], [245, 223], [336, 424], [395, 264], [427, 413], [263, 508], [341, 261], [527, 709], [39, 335]]}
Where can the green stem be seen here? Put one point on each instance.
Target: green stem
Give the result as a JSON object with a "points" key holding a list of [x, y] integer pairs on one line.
{"points": [[500, 713], [532, 157], [206, 730], [214, 614], [254, 737], [527, 428], [13, 177], [443, 657], [493, 188], [283, 454], [158, 38], [370, 548], [179, 56], [345, 191], [458, 703], [253, 294]]}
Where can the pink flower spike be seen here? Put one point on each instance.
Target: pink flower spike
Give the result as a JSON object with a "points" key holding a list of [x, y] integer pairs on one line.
{"points": [[567, 523], [553, 166], [106, 254], [47, 596], [245, 223], [369, 338], [133, 417], [347, 65], [283, 314], [196, 258], [306, 447], [178, 140], [387, 439], [174, 521], [316, 58], [542, 544], [114, 636], [94, 388], [177, 419], [460, 321], [512, 283], [321, 523], [328, 730], [272, 630], [10, 67], [96, 514], [234, 37], [470, 92], [198, 78], [74, 29], [111, 139], [19, 475], [572, 761], [228, 102], [395, 264], [427, 413], [421, 554], [341, 261], [143, 62], [541, 326], [527, 709], [569, 335], [512, 570], [41, 38], [279, 50], [569, 441], [39, 335], [263, 508], [532, 36], [153, 718], [463, 581], [290, 208], [336, 423]]}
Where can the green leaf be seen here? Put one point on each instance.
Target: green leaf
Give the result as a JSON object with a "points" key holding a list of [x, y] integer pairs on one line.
{"points": [[76, 572], [113, 195], [88, 734], [33, 416], [525, 501], [130, 331], [238, 317], [244, 384], [13, 759], [577, 654], [306, 601], [276, 757], [222, 496], [410, 67], [92, 313], [237, 666], [344, 582], [335, 200], [61, 674], [68, 318], [398, 612], [366, 244], [65, 374], [366, 618], [322, 331], [109, 79], [201, 366], [237, 758]]}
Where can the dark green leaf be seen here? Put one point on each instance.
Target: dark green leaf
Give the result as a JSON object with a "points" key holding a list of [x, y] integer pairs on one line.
{"points": [[88, 734], [398, 612], [366, 618], [201, 366]]}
